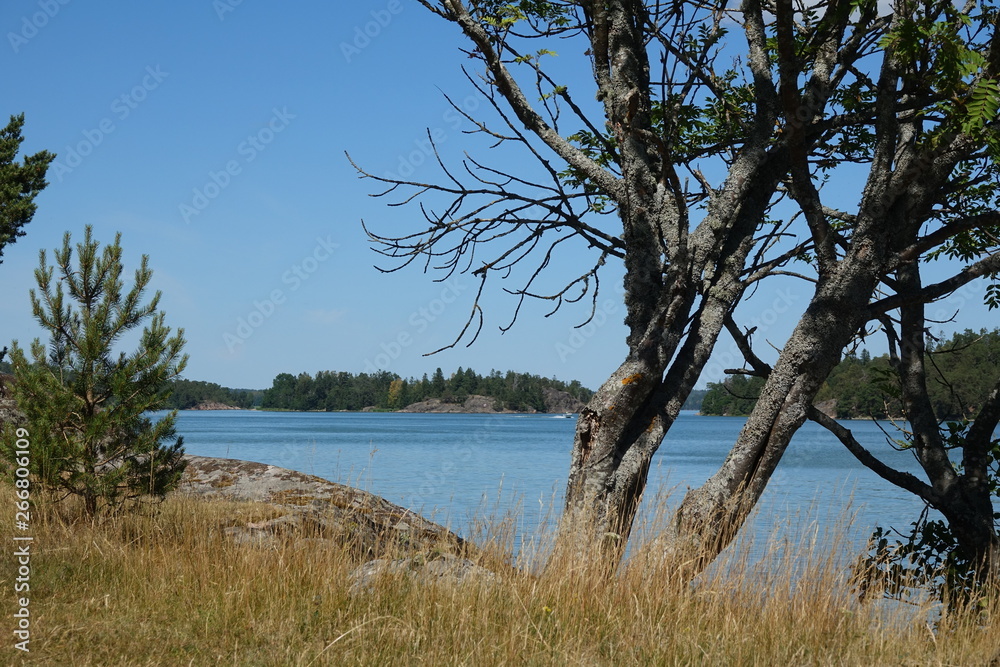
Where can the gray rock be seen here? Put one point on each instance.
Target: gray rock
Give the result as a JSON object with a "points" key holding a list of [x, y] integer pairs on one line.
{"points": [[8, 408], [434, 568], [556, 401], [315, 508], [473, 404], [561, 401]]}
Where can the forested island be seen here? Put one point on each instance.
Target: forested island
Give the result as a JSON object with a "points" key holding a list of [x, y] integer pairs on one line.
{"points": [[962, 372], [339, 390], [508, 391], [197, 394]]}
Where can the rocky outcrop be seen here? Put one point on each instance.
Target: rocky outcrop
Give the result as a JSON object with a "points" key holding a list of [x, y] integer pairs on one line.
{"points": [[555, 401], [214, 405], [315, 508], [433, 568], [473, 404], [561, 401]]}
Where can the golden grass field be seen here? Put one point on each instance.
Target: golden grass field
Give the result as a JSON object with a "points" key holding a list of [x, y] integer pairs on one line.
{"points": [[168, 588]]}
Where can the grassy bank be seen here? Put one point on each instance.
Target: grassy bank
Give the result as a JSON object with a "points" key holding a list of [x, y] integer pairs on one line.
{"points": [[171, 589]]}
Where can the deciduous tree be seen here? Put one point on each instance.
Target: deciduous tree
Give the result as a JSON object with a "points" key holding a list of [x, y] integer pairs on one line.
{"points": [[701, 170], [963, 550]]}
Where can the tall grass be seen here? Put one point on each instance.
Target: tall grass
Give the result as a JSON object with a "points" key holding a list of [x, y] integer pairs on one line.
{"points": [[170, 588]]}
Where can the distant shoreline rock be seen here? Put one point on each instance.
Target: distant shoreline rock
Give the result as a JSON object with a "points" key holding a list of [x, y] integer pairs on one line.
{"points": [[473, 404], [556, 402], [213, 405]]}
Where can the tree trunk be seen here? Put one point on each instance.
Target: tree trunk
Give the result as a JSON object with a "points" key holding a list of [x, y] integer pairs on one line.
{"points": [[970, 516], [963, 497], [711, 515], [612, 450], [898, 198], [625, 422]]}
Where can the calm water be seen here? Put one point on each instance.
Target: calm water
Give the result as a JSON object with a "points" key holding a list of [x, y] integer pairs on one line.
{"points": [[454, 467]]}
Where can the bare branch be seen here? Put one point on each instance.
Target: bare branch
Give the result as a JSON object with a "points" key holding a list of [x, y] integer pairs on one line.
{"points": [[938, 290], [903, 480], [476, 310], [760, 368], [519, 103]]}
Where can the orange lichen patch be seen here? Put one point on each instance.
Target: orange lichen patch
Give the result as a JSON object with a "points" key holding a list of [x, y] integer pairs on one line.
{"points": [[223, 482], [632, 378]]}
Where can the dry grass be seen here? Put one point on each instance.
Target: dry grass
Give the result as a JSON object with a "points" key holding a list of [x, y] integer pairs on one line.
{"points": [[171, 589]]}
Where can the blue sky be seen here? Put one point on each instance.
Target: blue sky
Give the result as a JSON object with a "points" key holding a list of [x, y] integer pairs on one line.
{"points": [[213, 136]]}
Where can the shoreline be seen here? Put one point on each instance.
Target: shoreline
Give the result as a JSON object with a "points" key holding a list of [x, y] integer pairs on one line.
{"points": [[360, 412]]}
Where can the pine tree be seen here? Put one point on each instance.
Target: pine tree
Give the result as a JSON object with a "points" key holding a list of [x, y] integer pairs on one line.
{"points": [[84, 403], [438, 384], [19, 183]]}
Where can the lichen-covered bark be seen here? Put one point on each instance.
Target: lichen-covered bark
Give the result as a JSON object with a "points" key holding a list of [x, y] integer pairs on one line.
{"points": [[626, 420], [897, 201], [711, 515], [678, 289]]}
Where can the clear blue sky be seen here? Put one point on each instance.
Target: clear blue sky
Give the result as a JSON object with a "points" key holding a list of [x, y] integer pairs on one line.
{"points": [[213, 136]]}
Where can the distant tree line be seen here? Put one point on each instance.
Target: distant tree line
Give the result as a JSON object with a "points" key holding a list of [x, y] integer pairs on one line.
{"points": [[736, 395], [695, 399], [961, 374], [187, 394], [338, 390]]}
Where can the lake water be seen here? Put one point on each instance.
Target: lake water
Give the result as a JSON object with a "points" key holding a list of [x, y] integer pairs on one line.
{"points": [[455, 467]]}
